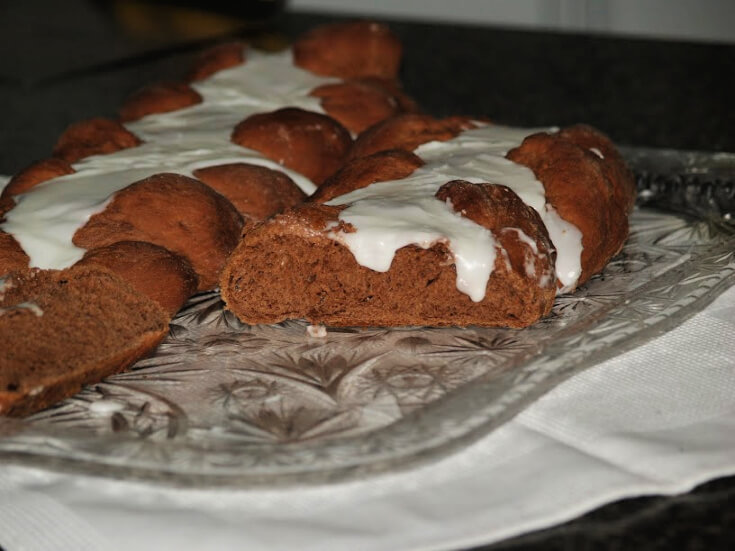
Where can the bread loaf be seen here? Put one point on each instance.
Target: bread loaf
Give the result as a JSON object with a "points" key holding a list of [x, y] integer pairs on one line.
{"points": [[308, 185]]}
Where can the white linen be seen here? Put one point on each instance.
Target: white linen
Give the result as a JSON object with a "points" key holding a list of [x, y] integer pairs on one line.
{"points": [[657, 420]]}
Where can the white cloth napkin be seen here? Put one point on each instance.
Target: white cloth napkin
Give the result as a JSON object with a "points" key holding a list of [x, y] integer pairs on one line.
{"points": [[657, 420]]}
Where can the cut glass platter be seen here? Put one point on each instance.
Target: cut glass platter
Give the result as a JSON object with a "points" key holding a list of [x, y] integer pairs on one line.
{"points": [[223, 403]]}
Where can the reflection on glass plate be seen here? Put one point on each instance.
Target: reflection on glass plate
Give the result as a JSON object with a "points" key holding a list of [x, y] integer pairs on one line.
{"points": [[226, 403]]}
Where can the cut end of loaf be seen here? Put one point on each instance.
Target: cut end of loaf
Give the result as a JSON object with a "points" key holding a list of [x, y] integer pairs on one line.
{"points": [[290, 269], [63, 329]]}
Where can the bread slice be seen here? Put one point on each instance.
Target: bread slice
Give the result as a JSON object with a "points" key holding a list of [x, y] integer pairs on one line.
{"points": [[288, 267], [63, 329]]}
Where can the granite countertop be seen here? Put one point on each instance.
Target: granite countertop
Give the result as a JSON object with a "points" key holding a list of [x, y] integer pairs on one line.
{"points": [[81, 61]]}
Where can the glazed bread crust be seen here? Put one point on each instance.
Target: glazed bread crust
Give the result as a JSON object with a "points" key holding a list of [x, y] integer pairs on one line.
{"points": [[98, 136], [175, 212], [392, 164], [255, 191], [161, 97], [407, 132], [312, 144], [35, 174], [215, 59], [376, 102]]}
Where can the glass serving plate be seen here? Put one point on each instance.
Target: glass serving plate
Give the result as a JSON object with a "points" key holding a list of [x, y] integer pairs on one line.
{"points": [[223, 403]]}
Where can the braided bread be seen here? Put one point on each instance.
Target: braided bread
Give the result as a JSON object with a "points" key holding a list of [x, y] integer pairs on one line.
{"points": [[308, 185]]}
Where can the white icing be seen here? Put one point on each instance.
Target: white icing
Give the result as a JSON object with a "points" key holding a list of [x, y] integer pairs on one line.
{"points": [[597, 152], [529, 263], [45, 219], [384, 225], [567, 240], [390, 215], [524, 238], [32, 307], [506, 258]]}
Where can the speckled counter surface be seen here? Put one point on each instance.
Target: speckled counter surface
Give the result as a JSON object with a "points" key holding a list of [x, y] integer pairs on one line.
{"points": [[62, 65]]}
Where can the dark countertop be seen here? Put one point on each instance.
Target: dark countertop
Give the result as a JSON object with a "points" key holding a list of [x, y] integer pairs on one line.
{"points": [[81, 62], [66, 64]]}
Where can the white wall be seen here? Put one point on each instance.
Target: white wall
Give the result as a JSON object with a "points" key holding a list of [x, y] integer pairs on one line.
{"points": [[704, 20]]}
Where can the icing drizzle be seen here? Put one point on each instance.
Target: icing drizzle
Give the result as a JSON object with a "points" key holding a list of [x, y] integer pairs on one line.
{"points": [[392, 214], [46, 218]]}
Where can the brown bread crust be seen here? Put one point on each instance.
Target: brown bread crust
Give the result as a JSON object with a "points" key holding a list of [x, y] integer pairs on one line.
{"points": [[393, 87], [6, 204], [162, 97], [613, 164], [593, 193], [97, 136], [349, 50], [357, 104], [361, 172], [407, 131], [215, 59], [12, 256], [175, 212], [288, 267], [255, 191], [312, 144], [163, 276], [35, 174], [63, 329]]}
